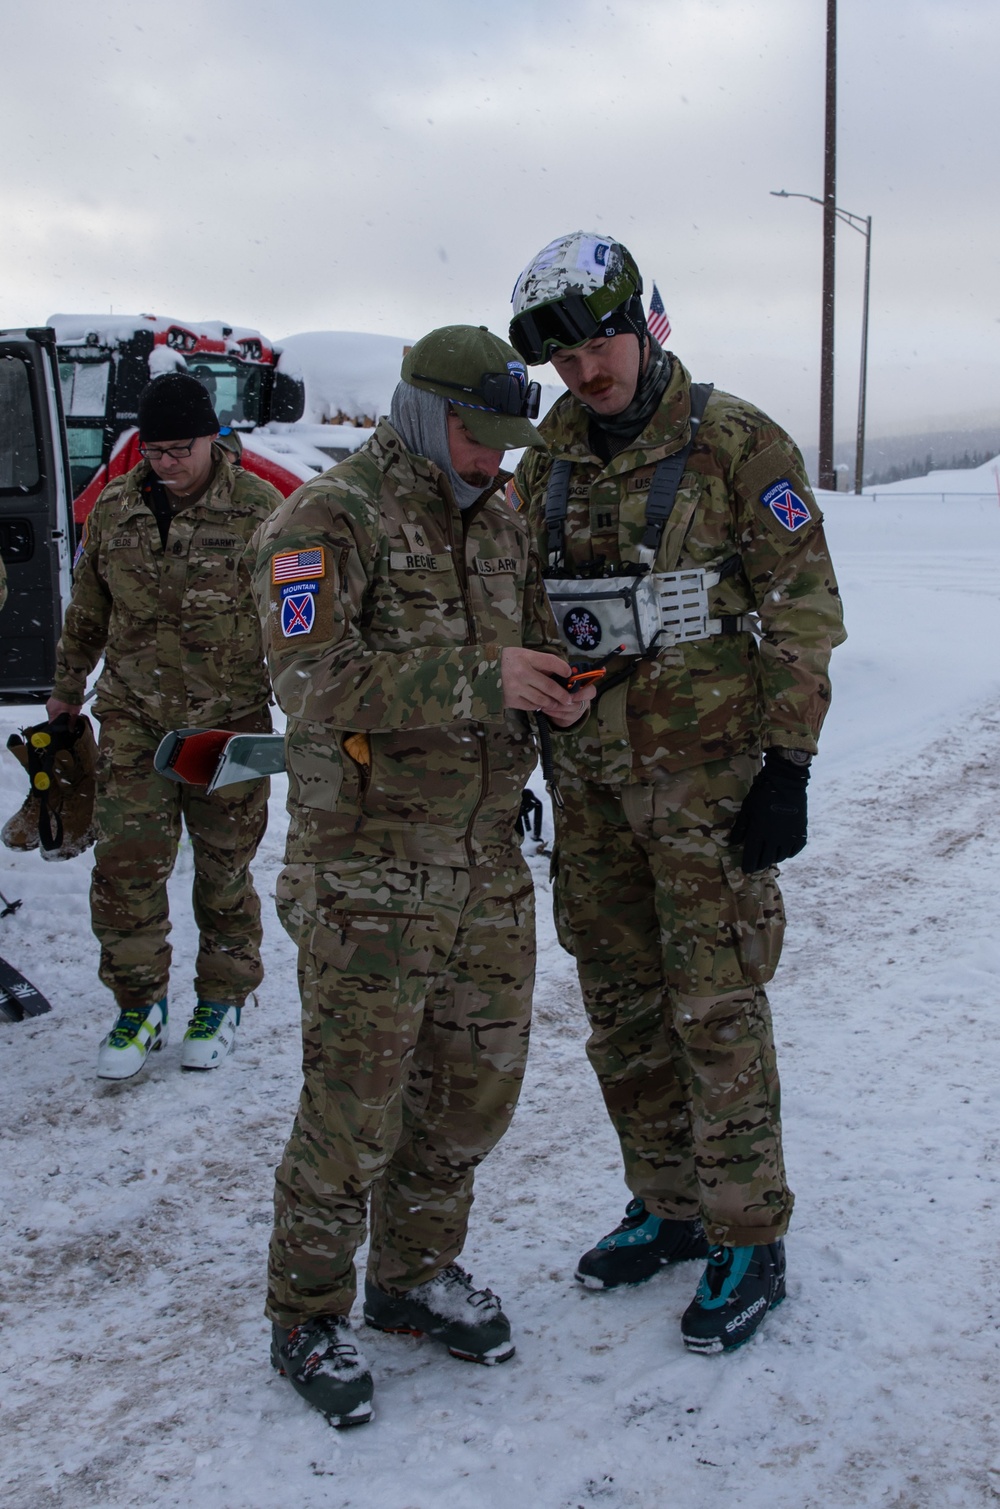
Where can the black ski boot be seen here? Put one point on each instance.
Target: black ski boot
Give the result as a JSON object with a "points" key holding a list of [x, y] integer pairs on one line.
{"points": [[321, 1361], [469, 1321], [738, 1287], [638, 1248]]}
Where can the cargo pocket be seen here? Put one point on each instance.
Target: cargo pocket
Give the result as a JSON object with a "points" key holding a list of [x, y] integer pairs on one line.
{"points": [[358, 748], [754, 914], [315, 768], [333, 945], [522, 906], [370, 941], [560, 916], [295, 901]]}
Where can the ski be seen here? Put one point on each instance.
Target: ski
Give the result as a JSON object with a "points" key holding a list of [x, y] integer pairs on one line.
{"points": [[18, 997], [214, 757]]}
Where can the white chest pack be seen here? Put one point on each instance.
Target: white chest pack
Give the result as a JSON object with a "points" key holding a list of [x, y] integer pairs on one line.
{"points": [[638, 611], [639, 615]]}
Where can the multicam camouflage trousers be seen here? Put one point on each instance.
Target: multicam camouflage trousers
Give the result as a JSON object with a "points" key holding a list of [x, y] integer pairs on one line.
{"points": [[416, 985], [674, 944], [138, 815]]}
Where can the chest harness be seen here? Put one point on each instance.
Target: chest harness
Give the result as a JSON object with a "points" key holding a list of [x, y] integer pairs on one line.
{"points": [[635, 611]]}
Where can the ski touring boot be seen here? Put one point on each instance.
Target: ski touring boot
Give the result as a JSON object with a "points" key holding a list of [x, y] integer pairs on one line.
{"points": [[21, 830], [738, 1287], [469, 1321], [138, 1032], [210, 1035], [639, 1247], [60, 759], [322, 1362]]}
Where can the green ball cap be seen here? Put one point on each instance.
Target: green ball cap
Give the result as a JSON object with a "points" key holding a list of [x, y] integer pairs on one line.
{"points": [[452, 362]]}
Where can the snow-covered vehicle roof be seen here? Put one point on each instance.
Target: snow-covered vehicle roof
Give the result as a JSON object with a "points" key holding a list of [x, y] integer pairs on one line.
{"points": [[110, 331]]}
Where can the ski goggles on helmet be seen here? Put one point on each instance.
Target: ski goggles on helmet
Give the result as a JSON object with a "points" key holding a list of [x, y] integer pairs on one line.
{"points": [[501, 392], [536, 333], [575, 317]]}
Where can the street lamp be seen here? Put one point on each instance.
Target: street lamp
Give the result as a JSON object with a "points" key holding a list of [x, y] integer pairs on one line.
{"points": [[863, 225]]}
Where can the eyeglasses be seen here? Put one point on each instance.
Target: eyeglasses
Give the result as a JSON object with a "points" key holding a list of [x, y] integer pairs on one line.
{"points": [[507, 393], [157, 452]]}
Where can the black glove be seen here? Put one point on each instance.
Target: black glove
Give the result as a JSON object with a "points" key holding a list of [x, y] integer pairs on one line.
{"points": [[771, 824]]}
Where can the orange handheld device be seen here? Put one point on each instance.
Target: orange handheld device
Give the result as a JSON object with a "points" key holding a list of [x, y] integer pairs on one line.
{"points": [[581, 677]]}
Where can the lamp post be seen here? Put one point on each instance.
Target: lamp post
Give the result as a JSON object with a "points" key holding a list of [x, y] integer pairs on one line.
{"points": [[827, 475], [863, 225]]}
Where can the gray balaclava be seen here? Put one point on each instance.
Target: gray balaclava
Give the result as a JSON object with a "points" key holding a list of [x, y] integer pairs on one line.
{"points": [[619, 430], [420, 419]]}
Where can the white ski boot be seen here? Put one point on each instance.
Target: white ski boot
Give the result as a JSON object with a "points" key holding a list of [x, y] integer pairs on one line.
{"points": [[138, 1032], [210, 1035]]}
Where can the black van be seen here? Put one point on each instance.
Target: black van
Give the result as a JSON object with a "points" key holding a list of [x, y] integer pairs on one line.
{"points": [[36, 512]]}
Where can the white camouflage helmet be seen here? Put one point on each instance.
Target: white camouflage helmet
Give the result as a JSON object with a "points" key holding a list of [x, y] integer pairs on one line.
{"points": [[566, 292]]}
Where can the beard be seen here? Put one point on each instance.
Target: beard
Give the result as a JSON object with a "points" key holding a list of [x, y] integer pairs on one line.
{"points": [[477, 479]]}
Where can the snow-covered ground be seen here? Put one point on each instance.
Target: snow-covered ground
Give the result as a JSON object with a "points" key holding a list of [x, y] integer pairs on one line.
{"points": [[134, 1369]]}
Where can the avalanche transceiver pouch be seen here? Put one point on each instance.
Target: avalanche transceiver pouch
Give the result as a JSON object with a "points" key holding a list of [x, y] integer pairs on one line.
{"points": [[643, 613]]}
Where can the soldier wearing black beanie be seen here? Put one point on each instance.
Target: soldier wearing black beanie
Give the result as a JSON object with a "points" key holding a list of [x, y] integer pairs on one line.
{"points": [[161, 590], [175, 406]]}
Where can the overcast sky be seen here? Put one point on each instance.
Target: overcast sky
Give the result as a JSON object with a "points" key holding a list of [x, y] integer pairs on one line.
{"points": [[390, 166]]}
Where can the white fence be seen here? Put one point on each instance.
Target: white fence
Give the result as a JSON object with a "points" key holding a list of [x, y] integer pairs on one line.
{"points": [[924, 496]]}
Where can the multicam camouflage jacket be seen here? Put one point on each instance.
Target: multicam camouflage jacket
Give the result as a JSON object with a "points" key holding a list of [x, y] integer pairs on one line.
{"points": [[178, 626], [744, 494], [385, 613]]}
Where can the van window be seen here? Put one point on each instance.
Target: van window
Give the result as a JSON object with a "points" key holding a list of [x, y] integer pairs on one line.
{"points": [[20, 470]]}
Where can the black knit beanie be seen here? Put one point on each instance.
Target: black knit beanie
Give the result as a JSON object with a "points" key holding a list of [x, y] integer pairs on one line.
{"points": [[175, 406]]}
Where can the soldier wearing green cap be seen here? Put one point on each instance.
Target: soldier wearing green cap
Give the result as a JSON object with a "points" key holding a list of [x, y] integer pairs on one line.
{"points": [[408, 635]]}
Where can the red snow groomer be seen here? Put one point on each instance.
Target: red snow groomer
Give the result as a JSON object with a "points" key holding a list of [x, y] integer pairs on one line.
{"points": [[105, 361]]}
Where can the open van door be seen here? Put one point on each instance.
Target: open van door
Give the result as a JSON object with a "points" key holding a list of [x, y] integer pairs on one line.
{"points": [[36, 528]]}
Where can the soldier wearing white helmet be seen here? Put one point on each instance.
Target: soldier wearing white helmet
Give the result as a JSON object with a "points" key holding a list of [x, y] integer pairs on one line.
{"points": [[683, 552]]}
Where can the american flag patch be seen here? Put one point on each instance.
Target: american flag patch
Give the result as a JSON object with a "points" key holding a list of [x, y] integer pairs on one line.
{"points": [[83, 542], [297, 566], [514, 497]]}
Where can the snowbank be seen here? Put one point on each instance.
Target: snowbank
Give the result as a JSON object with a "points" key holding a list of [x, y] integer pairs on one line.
{"points": [[982, 481]]}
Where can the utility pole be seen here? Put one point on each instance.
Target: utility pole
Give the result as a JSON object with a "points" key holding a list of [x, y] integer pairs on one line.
{"points": [[863, 225], [827, 475]]}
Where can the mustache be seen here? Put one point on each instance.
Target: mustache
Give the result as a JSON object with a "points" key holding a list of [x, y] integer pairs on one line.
{"points": [[477, 479], [596, 386]]}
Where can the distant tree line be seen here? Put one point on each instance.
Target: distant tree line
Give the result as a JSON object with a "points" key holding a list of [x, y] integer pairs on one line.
{"points": [[917, 468]]}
